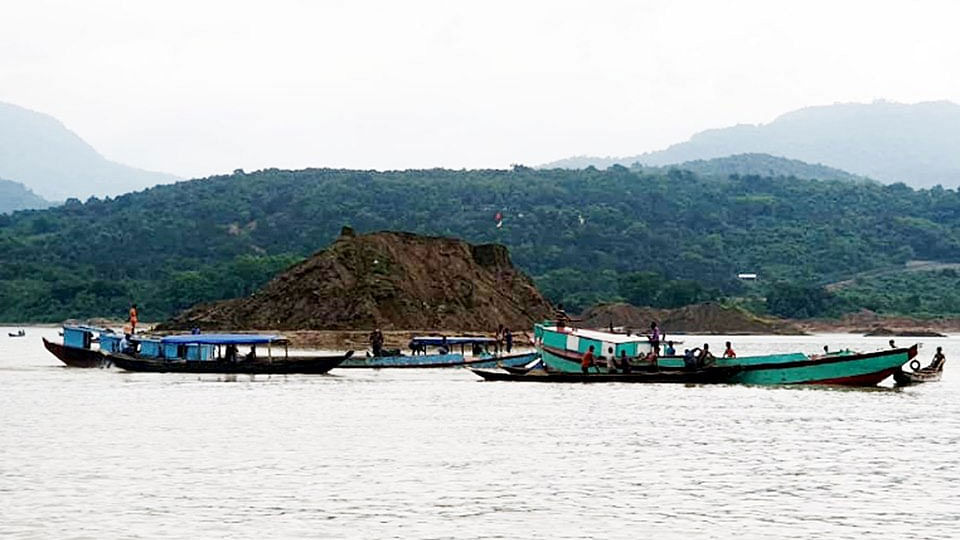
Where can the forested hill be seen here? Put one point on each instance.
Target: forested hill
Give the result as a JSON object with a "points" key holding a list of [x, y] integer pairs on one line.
{"points": [[758, 165], [583, 234]]}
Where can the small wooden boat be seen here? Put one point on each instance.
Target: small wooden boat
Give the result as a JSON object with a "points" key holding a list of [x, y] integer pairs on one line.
{"points": [[443, 355], [218, 353], [19, 333], [433, 361], [710, 375], [75, 356], [918, 375]]}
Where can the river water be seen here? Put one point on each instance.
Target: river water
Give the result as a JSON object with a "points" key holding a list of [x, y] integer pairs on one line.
{"points": [[99, 453]]}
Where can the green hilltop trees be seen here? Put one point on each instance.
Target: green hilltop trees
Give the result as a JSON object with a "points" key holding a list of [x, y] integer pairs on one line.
{"points": [[663, 239]]}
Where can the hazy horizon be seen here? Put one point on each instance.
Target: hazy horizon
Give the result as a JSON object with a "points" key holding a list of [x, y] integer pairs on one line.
{"points": [[200, 89]]}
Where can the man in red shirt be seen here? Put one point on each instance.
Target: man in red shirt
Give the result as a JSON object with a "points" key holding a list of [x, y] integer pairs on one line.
{"points": [[587, 360], [729, 352]]}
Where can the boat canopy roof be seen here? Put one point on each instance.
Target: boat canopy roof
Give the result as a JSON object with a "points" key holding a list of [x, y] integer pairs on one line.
{"points": [[222, 339], [455, 340], [597, 335], [85, 328]]}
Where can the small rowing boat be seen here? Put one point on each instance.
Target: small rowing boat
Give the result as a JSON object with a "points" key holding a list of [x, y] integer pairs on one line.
{"points": [[931, 373], [441, 355]]}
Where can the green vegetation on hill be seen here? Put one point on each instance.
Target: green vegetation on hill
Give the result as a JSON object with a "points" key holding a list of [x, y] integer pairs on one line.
{"points": [[585, 235], [924, 294], [757, 165]]}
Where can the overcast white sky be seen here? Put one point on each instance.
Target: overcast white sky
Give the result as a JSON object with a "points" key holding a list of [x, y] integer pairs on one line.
{"points": [[201, 87]]}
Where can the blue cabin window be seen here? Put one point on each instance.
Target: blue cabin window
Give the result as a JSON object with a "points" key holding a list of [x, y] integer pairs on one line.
{"points": [[150, 349], [109, 343]]}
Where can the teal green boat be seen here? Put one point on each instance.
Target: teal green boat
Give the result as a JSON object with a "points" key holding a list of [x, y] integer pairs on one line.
{"points": [[562, 350]]}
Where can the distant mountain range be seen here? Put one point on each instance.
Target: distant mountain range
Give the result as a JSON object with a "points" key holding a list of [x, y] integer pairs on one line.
{"points": [[39, 151], [917, 144], [16, 196]]}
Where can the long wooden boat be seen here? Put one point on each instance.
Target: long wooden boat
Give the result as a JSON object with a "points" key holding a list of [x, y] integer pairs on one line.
{"points": [[218, 353], [562, 349], [711, 375], [304, 365], [847, 369], [75, 356]]}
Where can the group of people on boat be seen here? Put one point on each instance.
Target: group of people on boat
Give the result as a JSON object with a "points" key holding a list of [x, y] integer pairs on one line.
{"points": [[696, 358]]}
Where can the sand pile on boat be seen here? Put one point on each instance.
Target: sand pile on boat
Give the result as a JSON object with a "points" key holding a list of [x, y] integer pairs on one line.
{"points": [[390, 280], [708, 318]]}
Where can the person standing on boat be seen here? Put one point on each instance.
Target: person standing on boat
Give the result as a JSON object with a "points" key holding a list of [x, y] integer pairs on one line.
{"points": [[560, 317], [655, 337], [133, 319], [376, 342], [498, 337], [508, 339], [729, 352], [587, 361]]}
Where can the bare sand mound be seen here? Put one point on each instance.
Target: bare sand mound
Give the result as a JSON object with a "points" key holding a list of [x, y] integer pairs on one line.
{"points": [[390, 280]]}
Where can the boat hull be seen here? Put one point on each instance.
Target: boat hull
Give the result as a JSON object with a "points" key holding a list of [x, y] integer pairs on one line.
{"points": [[75, 356], [307, 365], [702, 376], [906, 378], [867, 369]]}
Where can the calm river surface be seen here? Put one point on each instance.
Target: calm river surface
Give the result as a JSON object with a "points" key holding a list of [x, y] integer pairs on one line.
{"points": [[99, 453]]}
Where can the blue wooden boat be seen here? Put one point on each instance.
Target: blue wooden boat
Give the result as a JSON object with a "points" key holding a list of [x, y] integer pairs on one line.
{"points": [[78, 347], [219, 353]]}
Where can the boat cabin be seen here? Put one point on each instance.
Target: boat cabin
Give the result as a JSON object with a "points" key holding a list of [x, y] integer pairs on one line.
{"points": [[579, 340], [79, 337], [220, 347]]}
